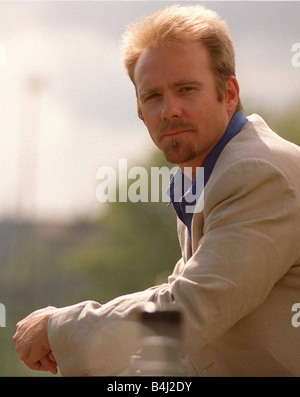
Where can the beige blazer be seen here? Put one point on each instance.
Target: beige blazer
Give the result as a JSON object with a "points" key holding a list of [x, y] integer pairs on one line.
{"points": [[236, 286]]}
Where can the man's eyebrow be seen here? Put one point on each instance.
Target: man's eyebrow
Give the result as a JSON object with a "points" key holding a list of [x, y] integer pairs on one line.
{"points": [[188, 82]]}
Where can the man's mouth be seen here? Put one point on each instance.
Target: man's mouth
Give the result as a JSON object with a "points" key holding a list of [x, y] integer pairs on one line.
{"points": [[173, 133]]}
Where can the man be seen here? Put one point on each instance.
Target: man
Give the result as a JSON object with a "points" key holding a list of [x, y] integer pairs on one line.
{"points": [[239, 274]]}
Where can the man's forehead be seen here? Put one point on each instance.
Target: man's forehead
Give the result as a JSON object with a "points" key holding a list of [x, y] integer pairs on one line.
{"points": [[174, 63]]}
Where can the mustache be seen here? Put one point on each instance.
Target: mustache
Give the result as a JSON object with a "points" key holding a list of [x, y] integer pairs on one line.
{"points": [[169, 125]]}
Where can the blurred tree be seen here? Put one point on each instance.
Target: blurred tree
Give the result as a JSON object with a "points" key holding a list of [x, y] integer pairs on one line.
{"points": [[288, 125], [285, 123], [136, 247]]}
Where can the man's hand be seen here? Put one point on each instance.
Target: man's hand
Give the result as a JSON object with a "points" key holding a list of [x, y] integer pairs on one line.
{"points": [[32, 343]]}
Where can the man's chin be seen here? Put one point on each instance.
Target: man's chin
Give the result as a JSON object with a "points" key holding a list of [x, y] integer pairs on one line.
{"points": [[177, 156]]}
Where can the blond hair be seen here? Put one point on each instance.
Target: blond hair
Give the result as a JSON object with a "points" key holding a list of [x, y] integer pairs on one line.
{"points": [[176, 26]]}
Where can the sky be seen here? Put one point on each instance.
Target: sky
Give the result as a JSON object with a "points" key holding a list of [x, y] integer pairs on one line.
{"points": [[68, 108]]}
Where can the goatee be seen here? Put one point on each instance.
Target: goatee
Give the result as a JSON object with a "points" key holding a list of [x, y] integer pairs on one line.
{"points": [[177, 151]]}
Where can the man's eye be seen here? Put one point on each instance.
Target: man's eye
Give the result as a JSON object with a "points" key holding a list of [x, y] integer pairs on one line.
{"points": [[186, 89], [152, 96]]}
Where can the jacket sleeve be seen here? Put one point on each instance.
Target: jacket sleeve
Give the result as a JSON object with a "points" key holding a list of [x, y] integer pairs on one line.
{"points": [[90, 339], [251, 217]]}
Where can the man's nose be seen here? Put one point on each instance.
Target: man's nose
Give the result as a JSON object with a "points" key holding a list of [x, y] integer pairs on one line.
{"points": [[170, 107]]}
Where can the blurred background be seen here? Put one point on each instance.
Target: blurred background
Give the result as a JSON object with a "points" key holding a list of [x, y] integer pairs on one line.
{"points": [[67, 108]]}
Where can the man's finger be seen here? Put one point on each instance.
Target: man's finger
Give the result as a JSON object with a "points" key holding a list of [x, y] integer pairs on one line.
{"points": [[52, 358], [48, 365], [45, 364]]}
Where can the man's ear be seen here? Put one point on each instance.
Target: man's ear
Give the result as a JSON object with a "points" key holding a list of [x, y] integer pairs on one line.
{"points": [[233, 94], [139, 112]]}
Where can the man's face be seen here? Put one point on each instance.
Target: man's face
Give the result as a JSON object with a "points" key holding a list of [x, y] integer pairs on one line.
{"points": [[178, 102]]}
